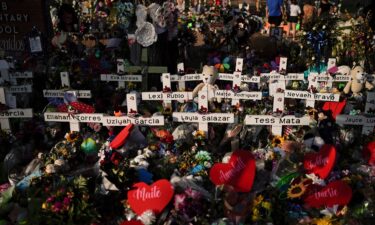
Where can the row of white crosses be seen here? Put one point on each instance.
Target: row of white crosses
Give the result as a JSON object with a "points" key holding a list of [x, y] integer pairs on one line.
{"points": [[119, 77], [277, 82], [277, 89], [8, 99], [236, 78], [75, 119], [203, 119]]}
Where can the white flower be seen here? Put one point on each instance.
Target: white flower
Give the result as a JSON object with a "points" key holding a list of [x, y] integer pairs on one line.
{"points": [[324, 27], [147, 217], [315, 179], [146, 35], [329, 211]]}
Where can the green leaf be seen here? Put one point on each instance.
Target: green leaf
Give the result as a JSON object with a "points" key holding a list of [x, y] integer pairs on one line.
{"points": [[6, 196]]}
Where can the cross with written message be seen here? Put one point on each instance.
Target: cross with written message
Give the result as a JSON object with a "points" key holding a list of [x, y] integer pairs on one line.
{"points": [[203, 117], [65, 83], [6, 114], [121, 79]]}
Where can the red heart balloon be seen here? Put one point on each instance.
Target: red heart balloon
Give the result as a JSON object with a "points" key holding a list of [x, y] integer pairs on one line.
{"points": [[369, 153], [322, 162], [335, 193], [239, 172], [132, 222], [155, 197]]}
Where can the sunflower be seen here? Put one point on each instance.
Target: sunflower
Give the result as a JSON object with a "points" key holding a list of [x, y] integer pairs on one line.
{"points": [[277, 141], [296, 190], [72, 137], [199, 134]]}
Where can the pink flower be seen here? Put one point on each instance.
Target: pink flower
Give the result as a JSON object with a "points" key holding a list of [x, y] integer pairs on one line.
{"points": [[66, 201], [179, 201], [50, 199], [192, 193], [57, 207]]}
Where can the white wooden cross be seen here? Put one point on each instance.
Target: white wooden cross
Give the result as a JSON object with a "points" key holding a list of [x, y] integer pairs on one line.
{"points": [[324, 80], [236, 96], [222, 76], [203, 117], [65, 83], [74, 120], [167, 96], [5, 115], [277, 123], [15, 88], [4, 70], [277, 84], [312, 97], [121, 79], [368, 123], [131, 100]]}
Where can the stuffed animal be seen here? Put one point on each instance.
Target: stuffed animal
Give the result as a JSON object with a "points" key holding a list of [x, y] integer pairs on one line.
{"points": [[209, 76], [357, 82]]}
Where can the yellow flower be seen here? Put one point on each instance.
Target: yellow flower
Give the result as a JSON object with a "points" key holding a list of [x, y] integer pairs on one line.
{"points": [[44, 206], [258, 200], [255, 216], [278, 141], [200, 133], [72, 137], [323, 221], [296, 190], [266, 205]]}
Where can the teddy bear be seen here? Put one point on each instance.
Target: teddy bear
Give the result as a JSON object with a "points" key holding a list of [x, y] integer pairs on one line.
{"points": [[209, 76], [357, 82]]}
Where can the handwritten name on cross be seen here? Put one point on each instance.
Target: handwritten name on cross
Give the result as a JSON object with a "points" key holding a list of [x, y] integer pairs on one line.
{"points": [[203, 117], [65, 83], [131, 101], [121, 79], [276, 122], [7, 114]]}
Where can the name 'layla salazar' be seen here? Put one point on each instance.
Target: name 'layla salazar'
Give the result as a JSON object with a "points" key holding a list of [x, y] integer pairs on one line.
{"points": [[12, 44]]}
